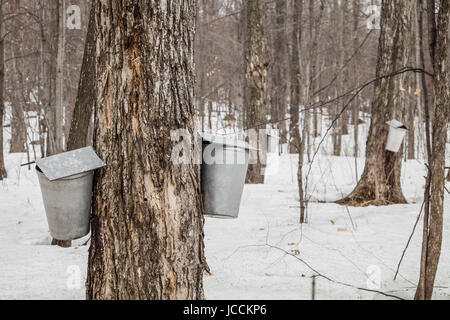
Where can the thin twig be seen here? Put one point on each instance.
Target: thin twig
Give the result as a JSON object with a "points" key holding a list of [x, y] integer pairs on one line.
{"points": [[318, 274]]}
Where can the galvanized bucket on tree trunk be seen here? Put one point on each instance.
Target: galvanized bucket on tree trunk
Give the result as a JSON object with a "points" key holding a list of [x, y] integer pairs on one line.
{"points": [[223, 173], [66, 182], [397, 132], [67, 204]]}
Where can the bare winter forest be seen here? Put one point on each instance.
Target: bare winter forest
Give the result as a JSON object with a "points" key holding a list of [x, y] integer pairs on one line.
{"points": [[331, 116]]}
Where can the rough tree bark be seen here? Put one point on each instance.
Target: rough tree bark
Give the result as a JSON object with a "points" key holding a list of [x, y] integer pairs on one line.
{"points": [[439, 28], [255, 87], [380, 181], [3, 174], [147, 224]]}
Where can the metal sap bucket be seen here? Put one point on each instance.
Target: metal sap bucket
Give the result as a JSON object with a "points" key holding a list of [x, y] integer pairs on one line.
{"points": [[273, 143], [223, 172], [67, 205], [66, 182], [397, 132]]}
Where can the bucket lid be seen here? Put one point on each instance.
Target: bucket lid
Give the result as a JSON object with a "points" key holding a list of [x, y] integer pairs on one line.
{"points": [[396, 124], [226, 141], [70, 163]]}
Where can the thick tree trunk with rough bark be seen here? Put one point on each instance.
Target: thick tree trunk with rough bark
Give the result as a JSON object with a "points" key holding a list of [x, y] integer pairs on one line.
{"points": [[147, 224], [380, 182], [433, 238], [255, 87]]}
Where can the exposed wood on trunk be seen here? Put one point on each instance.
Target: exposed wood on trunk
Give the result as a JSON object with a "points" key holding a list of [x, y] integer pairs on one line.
{"points": [[147, 225]]}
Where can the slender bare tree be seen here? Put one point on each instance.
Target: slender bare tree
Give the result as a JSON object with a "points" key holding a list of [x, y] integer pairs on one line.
{"points": [[84, 103], [255, 90], [432, 240]]}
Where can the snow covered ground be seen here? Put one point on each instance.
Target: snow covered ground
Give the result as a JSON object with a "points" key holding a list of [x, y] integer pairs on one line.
{"points": [[265, 254]]}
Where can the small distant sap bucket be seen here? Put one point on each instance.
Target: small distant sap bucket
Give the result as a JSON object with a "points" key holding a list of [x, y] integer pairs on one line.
{"points": [[67, 204], [397, 132], [272, 143], [223, 179]]}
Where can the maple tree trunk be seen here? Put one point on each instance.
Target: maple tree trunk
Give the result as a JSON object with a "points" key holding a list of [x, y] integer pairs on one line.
{"points": [[147, 223], [433, 238], [380, 181], [255, 87]]}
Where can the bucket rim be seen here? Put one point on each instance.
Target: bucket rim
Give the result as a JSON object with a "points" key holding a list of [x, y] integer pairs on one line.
{"points": [[396, 124], [225, 141], [220, 216], [72, 177]]}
